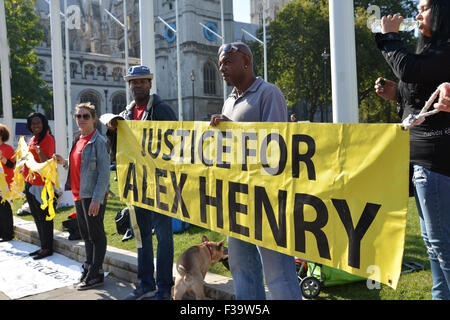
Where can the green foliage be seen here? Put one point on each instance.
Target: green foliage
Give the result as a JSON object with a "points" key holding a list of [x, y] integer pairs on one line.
{"points": [[371, 64], [407, 8], [298, 37], [25, 33]]}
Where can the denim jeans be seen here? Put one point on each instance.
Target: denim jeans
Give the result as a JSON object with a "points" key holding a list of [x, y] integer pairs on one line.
{"points": [[148, 220], [248, 262], [432, 193]]}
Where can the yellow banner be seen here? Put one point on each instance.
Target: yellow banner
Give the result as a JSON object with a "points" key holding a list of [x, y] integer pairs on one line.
{"points": [[335, 194]]}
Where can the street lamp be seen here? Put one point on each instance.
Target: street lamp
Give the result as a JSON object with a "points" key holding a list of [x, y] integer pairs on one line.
{"points": [[177, 32], [192, 76], [222, 25], [325, 56], [264, 9], [68, 80], [124, 26], [223, 41], [264, 41]]}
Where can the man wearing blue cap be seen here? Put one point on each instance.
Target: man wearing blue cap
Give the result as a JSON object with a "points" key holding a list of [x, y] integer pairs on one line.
{"points": [[148, 106]]}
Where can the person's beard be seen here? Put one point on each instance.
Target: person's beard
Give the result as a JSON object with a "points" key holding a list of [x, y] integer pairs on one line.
{"points": [[140, 94]]}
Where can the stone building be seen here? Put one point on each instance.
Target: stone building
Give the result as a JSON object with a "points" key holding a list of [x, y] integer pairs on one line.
{"points": [[202, 89], [94, 77], [97, 52], [256, 15]]}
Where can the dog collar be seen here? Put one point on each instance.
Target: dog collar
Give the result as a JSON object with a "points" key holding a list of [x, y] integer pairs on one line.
{"points": [[209, 248]]}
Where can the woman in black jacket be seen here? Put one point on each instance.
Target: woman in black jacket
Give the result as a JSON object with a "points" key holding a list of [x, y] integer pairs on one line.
{"points": [[419, 75]]}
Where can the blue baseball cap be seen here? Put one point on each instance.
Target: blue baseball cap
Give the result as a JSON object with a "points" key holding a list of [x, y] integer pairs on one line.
{"points": [[138, 72]]}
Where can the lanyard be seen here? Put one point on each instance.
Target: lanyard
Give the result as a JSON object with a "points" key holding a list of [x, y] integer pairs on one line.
{"points": [[415, 120]]}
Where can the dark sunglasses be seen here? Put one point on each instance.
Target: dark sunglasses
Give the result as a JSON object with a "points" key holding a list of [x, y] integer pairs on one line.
{"points": [[230, 48], [85, 116]]}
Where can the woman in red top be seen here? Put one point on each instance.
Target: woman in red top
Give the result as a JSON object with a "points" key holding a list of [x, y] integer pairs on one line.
{"points": [[7, 161], [88, 178], [42, 146]]}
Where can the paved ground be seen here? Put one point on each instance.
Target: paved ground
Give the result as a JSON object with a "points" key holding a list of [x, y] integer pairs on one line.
{"points": [[117, 289], [112, 289], [121, 264]]}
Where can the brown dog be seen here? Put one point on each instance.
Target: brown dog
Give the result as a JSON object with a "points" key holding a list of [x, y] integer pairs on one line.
{"points": [[192, 266]]}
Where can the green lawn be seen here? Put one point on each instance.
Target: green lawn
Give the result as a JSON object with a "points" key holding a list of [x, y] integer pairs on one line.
{"points": [[412, 286]]}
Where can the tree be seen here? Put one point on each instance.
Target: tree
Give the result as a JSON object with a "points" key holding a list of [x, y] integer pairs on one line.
{"points": [[298, 37], [25, 33], [370, 62]]}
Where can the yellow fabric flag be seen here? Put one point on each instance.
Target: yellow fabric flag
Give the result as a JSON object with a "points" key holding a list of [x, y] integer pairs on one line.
{"points": [[47, 170], [5, 193]]}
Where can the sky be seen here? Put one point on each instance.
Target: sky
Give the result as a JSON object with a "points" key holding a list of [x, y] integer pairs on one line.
{"points": [[241, 10]]}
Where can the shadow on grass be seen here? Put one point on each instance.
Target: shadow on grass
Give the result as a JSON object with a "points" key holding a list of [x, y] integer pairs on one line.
{"points": [[415, 250], [351, 291]]}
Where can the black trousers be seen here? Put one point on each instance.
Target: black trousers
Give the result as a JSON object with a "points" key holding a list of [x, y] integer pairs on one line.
{"points": [[44, 227], [6, 221], [92, 231]]}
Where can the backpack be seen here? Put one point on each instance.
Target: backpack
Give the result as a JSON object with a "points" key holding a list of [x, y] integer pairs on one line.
{"points": [[123, 220], [71, 225], [179, 226]]}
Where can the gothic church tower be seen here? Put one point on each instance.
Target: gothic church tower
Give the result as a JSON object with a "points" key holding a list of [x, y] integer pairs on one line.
{"points": [[202, 89]]}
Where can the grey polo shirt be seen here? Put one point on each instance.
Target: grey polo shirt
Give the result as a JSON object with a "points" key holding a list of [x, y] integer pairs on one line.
{"points": [[261, 102]]}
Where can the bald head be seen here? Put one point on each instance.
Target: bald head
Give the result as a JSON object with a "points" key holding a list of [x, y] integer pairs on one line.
{"points": [[236, 47]]}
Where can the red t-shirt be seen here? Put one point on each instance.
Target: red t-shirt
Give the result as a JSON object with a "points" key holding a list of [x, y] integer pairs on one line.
{"points": [[48, 148], [138, 112], [75, 165], [8, 153]]}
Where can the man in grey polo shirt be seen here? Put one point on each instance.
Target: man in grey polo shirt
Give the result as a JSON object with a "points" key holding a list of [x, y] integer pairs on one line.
{"points": [[254, 100]]}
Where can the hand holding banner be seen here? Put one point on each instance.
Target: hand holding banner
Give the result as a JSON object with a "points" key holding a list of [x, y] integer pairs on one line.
{"points": [[335, 194]]}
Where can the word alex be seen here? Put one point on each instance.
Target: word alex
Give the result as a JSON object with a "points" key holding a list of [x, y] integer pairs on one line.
{"points": [[231, 147], [230, 192]]}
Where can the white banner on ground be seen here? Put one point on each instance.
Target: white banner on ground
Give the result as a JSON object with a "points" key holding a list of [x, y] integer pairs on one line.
{"points": [[21, 276]]}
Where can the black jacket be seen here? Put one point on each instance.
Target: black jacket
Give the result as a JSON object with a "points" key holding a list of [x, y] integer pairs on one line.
{"points": [[419, 76], [157, 109]]}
